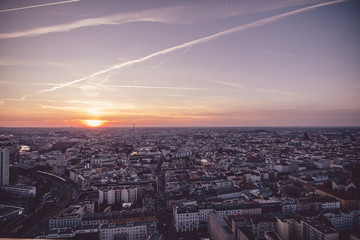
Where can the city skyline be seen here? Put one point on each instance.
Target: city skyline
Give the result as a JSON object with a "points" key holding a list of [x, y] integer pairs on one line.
{"points": [[203, 63]]}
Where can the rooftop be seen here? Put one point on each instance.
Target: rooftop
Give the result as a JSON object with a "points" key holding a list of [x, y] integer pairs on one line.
{"points": [[320, 226], [108, 226]]}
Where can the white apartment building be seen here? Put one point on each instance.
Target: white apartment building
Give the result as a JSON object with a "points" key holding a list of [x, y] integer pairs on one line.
{"points": [[335, 204], [289, 205], [188, 218], [107, 196], [341, 219], [69, 217], [225, 210], [126, 194], [129, 195], [204, 214], [135, 231], [91, 219]]}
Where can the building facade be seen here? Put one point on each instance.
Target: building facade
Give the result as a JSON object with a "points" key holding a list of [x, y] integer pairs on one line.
{"points": [[188, 218], [341, 219], [137, 231], [113, 195], [312, 229], [4, 167], [20, 191], [261, 223]]}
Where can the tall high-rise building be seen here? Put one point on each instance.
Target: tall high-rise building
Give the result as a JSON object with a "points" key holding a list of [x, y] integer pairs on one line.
{"points": [[4, 167]]}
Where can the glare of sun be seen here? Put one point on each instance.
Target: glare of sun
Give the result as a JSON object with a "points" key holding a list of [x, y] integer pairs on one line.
{"points": [[94, 123]]}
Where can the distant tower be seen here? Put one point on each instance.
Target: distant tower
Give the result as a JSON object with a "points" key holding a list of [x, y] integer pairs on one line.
{"points": [[133, 132], [4, 167]]}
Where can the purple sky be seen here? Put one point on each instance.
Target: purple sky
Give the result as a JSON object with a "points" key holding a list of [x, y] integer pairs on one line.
{"points": [[180, 63]]}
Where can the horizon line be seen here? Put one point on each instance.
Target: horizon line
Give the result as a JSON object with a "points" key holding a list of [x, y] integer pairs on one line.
{"points": [[263, 126]]}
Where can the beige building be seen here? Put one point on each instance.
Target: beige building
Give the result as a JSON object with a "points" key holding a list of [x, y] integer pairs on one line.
{"points": [[219, 229], [312, 229]]}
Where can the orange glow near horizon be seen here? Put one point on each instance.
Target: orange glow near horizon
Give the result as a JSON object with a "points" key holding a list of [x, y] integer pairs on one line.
{"points": [[94, 122]]}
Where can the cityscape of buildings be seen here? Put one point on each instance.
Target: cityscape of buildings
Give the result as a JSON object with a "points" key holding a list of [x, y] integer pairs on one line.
{"points": [[180, 183], [78, 78]]}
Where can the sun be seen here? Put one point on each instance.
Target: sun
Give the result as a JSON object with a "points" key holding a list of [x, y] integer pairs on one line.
{"points": [[93, 122]]}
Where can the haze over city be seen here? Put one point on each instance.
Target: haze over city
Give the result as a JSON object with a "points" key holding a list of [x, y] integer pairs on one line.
{"points": [[179, 63]]}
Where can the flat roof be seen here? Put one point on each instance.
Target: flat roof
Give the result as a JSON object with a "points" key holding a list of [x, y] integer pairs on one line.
{"points": [[320, 226], [262, 217]]}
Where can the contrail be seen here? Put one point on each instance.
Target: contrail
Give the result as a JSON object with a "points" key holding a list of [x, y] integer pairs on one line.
{"points": [[36, 6], [159, 15], [167, 15], [193, 43]]}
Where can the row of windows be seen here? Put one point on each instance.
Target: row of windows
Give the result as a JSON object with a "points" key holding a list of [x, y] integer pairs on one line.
{"points": [[125, 229], [65, 221]]}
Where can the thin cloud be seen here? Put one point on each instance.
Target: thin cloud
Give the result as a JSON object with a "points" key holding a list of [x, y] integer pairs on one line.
{"points": [[94, 108], [193, 43], [151, 87], [89, 102], [224, 83], [266, 90], [288, 55], [158, 65], [275, 91], [36, 6], [60, 108], [23, 98], [69, 68]]}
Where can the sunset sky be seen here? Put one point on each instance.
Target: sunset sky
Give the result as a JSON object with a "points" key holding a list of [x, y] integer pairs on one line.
{"points": [[179, 63]]}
